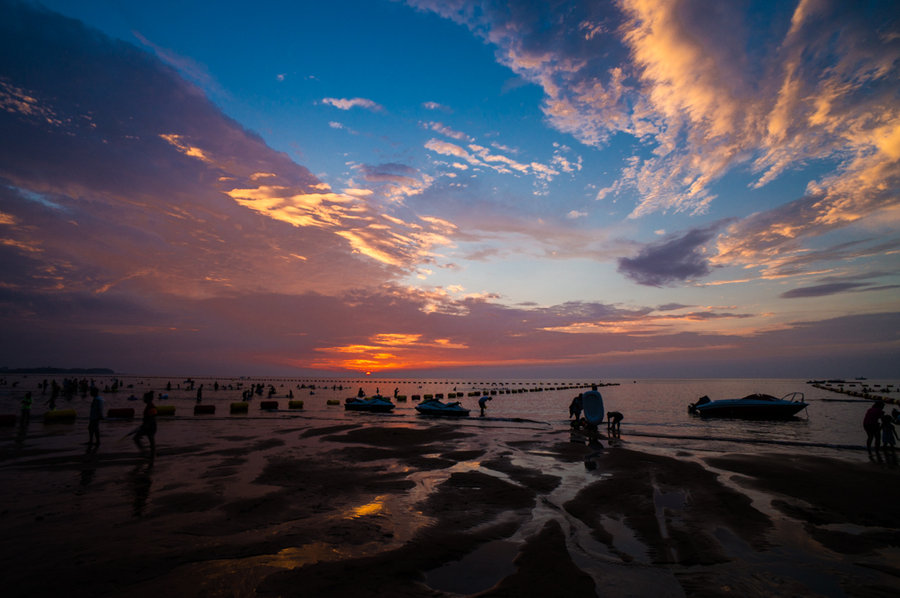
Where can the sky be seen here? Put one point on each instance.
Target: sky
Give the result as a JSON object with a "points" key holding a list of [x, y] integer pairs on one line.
{"points": [[631, 188]]}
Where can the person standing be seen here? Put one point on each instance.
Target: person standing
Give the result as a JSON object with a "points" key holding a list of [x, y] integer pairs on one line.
{"points": [[888, 433], [95, 417], [871, 425], [26, 408]]}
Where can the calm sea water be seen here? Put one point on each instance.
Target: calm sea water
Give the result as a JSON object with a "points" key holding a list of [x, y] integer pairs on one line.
{"points": [[655, 410]]}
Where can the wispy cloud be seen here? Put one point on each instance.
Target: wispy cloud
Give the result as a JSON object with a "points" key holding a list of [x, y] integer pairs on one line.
{"points": [[395, 181], [833, 285], [436, 106], [446, 131], [348, 104], [479, 156], [681, 81], [189, 68]]}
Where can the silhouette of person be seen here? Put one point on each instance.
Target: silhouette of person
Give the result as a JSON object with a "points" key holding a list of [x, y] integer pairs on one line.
{"points": [[482, 403], [575, 408], [888, 433], [871, 425], [614, 422], [148, 427], [95, 416], [26, 408]]}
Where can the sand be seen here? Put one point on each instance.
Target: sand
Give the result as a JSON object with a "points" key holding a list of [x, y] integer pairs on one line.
{"points": [[369, 507]]}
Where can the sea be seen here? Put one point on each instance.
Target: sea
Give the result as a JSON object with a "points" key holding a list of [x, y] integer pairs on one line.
{"points": [[655, 410]]}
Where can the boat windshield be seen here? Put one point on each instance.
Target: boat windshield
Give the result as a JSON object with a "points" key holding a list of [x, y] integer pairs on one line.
{"points": [[759, 397]]}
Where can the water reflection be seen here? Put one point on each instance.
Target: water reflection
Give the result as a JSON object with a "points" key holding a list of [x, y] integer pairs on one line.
{"points": [[141, 481], [370, 508], [89, 469]]}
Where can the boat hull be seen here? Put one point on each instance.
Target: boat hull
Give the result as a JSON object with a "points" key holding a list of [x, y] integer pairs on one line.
{"points": [[444, 412], [748, 412], [758, 406], [375, 406], [438, 409]]}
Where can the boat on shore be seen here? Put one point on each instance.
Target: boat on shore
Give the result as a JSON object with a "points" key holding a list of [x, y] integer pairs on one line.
{"points": [[755, 406], [435, 407], [376, 404]]}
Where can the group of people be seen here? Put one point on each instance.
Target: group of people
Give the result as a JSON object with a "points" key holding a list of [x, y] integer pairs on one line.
{"points": [[613, 418], [146, 429], [591, 403], [879, 427]]}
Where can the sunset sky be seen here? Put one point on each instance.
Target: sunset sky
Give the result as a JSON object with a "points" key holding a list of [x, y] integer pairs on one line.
{"points": [[629, 188]]}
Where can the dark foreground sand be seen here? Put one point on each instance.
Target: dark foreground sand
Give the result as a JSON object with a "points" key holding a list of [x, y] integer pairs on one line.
{"points": [[301, 507]]}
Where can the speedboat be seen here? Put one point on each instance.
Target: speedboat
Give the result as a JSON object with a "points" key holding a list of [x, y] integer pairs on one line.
{"points": [[435, 407], [376, 403], [755, 406]]}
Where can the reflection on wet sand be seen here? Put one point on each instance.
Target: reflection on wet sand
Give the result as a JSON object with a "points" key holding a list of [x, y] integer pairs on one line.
{"points": [[141, 481], [379, 508]]}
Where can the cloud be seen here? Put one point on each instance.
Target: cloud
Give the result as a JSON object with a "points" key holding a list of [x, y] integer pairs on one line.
{"points": [[822, 290], [348, 104], [187, 67], [451, 149], [137, 220], [395, 181], [771, 240], [482, 157], [672, 260], [705, 93], [446, 131], [435, 106], [85, 206], [833, 285]]}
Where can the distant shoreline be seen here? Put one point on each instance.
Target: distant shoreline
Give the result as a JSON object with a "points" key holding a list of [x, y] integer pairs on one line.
{"points": [[50, 370]]}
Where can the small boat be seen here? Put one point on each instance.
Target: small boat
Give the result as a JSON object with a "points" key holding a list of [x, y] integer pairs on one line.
{"points": [[376, 403], [435, 407], [755, 406]]}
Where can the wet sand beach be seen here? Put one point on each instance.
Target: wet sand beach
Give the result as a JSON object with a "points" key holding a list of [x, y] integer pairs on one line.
{"points": [[303, 506]]}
